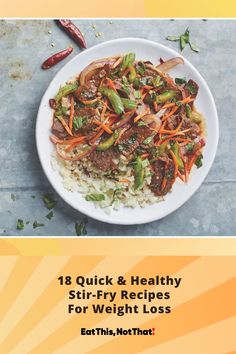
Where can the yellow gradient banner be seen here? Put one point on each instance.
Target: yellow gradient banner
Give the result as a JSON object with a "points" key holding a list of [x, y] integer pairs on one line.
{"points": [[70, 296], [122, 8]]}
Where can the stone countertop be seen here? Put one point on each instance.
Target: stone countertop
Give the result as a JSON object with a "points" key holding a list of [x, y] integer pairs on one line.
{"points": [[25, 44]]}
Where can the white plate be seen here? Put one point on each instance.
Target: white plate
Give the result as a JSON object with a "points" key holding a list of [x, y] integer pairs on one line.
{"points": [[145, 50]]}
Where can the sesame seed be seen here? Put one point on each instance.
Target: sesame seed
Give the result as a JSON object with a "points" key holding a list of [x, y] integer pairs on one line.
{"points": [[111, 22], [49, 32], [53, 44], [93, 26], [99, 33]]}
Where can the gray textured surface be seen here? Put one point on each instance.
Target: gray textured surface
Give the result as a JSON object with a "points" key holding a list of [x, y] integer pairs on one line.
{"points": [[25, 44]]}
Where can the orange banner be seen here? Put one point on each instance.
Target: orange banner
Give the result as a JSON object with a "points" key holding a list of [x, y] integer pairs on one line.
{"points": [[118, 9], [167, 303]]}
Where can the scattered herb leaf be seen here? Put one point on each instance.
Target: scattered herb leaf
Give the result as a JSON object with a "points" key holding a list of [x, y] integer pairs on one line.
{"points": [[79, 121], [180, 80], [198, 161], [80, 229], [13, 197], [148, 139], [49, 201], [50, 215], [94, 197], [173, 38], [189, 146], [137, 94], [194, 47], [192, 89], [36, 224], [184, 39], [20, 224], [33, 196]]}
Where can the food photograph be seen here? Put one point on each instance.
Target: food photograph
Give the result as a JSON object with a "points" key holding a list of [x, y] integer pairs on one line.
{"points": [[117, 127]]}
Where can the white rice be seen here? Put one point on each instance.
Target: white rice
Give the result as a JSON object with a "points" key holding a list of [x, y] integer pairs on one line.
{"points": [[83, 177]]}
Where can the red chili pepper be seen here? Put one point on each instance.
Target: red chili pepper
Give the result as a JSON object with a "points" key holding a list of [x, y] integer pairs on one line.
{"points": [[73, 31], [56, 58]]}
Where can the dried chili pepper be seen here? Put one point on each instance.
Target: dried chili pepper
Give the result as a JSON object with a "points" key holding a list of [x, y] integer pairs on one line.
{"points": [[56, 58], [73, 31]]}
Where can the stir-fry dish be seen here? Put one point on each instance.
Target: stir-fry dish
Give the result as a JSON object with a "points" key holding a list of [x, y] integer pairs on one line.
{"points": [[125, 131]]}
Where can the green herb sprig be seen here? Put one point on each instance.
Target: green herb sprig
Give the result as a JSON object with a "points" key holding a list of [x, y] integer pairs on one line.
{"points": [[183, 40]]}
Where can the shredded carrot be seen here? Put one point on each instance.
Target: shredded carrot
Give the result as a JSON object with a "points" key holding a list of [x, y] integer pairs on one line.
{"points": [[103, 126], [72, 111], [104, 108], [120, 135], [143, 156], [141, 115], [192, 160], [126, 72], [168, 105], [180, 176], [124, 180], [164, 182], [168, 115], [186, 173], [96, 137], [89, 101], [175, 163], [155, 106], [71, 146], [63, 122], [165, 131], [187, 100], [55, 140], [111, 84], [173, 104]]}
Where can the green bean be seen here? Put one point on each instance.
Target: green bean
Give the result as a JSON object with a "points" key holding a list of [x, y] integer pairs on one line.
{"points": [[128, 104], [165, 96], [114, 99], [65, 90], [106, 144], [139, 173]]}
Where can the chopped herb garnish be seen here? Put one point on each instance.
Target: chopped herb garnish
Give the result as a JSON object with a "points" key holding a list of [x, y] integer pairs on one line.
{"points": [[36, 224], [188, 110], [141, 123], [94, 197], [189, 146], [192, 89], [20, 224], [49, 216], [180, 81], [79, 121], [80, 229], [141, 68], [137, 94], [198, 161], [148, 139], [27, 222], [33, 196], [49, 201], [13, 197]]}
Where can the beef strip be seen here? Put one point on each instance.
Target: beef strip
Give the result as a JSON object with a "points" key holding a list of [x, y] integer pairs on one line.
{"points": [[195, 129], [104, 159], [57, 128], [132, 138], [90, 114], [163, 167]]}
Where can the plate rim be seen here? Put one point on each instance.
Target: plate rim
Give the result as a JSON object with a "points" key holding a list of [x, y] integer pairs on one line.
{"points": [[105, 218]]}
